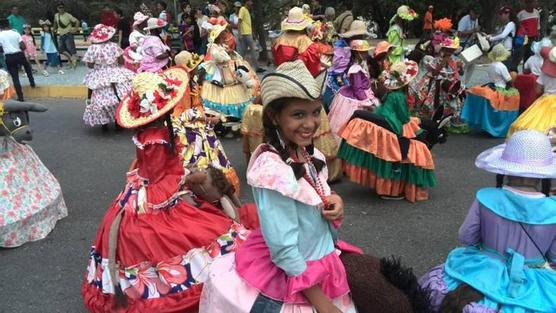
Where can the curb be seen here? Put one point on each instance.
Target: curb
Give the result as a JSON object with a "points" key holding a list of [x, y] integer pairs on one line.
{"points": [[56, 91]]}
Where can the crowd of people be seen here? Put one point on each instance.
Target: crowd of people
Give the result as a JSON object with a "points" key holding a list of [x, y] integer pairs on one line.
{"points": [[177, 239]]}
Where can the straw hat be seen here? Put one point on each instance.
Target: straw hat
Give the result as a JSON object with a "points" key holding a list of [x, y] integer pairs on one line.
{"points": [[188, 60], [152, 96], [549, 64], [139, 18], [290, 80], [527, 153], [357, 28], [154, 23], [382, 47], [400, 74], [101, 33], [359, 45], [499, 53], [215, 31], [295, 20], [237, 4]]}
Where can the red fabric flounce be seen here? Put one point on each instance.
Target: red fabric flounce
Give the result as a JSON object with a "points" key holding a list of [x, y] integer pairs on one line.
{"points": [[255, 266]]}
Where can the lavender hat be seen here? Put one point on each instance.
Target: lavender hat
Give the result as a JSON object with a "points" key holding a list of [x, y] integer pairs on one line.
{"points": [[527, 153]]}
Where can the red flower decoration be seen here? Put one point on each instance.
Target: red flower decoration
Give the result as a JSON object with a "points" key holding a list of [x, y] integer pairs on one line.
{"points": [[133, 105]]}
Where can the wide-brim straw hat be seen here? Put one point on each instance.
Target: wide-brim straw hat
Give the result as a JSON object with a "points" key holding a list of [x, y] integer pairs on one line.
{"points": [[400, 74], [357, 28], [101, 33], [295, 20], [527, 153], [359, 45], [549, 64], [382, 47], [406, 13], [291, 80], [188, 60], [152, 96], [139, 18], [154, 23], [499, 53], [215, 32]]}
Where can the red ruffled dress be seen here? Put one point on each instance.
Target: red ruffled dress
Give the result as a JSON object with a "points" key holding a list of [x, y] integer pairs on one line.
{"points": [[293, 46], [163, 245]]}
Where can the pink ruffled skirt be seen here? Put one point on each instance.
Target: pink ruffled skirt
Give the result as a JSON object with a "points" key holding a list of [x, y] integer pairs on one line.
{"points": [[343, 108]]}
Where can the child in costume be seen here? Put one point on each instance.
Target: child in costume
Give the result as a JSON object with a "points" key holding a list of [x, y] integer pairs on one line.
{"points": [[358, 95], [107, 79], [440, 86], [396, 32], [290, 263], [198, 144], [132, 54], [48, 46], [229, 85], [526, 82], [385, 156], [31, 200], [507, 237], [153, 248], [337, 73], [155, 53], [541, 115], [494, 107]]}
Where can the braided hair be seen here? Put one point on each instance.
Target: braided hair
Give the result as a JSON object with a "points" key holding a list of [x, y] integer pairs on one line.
{"points": [[273, 139]]}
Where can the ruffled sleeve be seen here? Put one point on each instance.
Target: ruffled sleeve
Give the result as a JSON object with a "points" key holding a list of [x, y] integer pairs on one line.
{"points": [[341, 58], [470, 230], [279, 225], [311, 58]]}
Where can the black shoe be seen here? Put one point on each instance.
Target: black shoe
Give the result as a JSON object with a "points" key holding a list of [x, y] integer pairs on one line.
{"points": [[261, 70], [20, 100], [33, 85], [104, 127]]}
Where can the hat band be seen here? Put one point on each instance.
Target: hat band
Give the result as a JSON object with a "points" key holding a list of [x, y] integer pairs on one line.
{"points": [[300, 85], [295, 21], [545, 162]]}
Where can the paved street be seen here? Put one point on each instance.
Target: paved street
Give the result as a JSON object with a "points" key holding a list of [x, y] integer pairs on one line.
{"points": [[46, 276]]}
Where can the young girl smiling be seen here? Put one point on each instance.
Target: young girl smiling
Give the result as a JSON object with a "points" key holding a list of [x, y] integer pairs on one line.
{"points": [[290, 263]]}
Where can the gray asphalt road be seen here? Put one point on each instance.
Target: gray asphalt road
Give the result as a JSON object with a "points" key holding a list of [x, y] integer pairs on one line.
{"points": [[46, 276]]}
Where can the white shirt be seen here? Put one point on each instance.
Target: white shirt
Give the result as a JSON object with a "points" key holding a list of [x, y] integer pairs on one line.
{"points": [[505, 36], [498, 74], [549, 83], [9, 40], [534, 64], [465, 25], [234, 20]]}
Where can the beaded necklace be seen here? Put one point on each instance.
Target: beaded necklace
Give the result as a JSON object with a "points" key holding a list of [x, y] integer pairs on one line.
{"points": [[312, 177]]}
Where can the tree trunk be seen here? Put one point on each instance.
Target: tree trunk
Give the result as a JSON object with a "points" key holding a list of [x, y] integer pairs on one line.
{"points": [[489, 11], [259, 28]]}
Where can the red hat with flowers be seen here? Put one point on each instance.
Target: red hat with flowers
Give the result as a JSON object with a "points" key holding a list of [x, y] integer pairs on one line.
{"points": [[101, 33], [400, 74], [152, 96]]}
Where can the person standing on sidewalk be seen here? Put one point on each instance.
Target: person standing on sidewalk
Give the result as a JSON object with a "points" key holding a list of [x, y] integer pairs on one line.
{"points": [[12, 45], [530, 20], [64, 25], [427, 23], [16, 21], [247, 42]]}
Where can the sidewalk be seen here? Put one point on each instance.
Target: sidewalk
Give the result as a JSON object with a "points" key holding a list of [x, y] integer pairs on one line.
{"points": [[68, 85]]}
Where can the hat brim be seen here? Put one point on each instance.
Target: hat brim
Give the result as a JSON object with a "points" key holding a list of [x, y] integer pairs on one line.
{"points": [[282, 86], [491, 161], [351, 33], [294, 25], [503, 57], [95, 40], [139, 22], [125, 119]]}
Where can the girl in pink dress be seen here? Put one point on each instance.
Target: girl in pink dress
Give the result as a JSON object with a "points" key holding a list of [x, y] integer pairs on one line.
{"points": [[357, 95], [291, 263], [154, 52], [30, 47]]}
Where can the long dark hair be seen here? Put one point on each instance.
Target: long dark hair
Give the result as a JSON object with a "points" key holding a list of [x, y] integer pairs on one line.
{"points": [[272, 138], [546, 184]]}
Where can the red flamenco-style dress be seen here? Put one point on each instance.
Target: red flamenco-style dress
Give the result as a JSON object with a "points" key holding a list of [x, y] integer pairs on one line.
{"points": [[294, 46], [153, 248]]}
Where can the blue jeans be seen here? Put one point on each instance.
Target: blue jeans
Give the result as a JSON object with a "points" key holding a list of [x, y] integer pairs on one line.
{"points": [[264, 304]]}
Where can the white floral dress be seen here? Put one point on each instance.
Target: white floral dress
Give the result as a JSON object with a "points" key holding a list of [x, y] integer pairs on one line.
{"points": [[105, 80], [31, 200]]}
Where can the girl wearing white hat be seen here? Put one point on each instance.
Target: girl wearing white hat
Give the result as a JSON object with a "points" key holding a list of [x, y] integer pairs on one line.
{"points": [[132, 54], [290, 263], [507, 239], [155, 54]]}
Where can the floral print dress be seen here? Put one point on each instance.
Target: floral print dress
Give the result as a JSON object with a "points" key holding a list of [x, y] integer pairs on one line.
{"points": [[108, 80], [31, 200]]}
